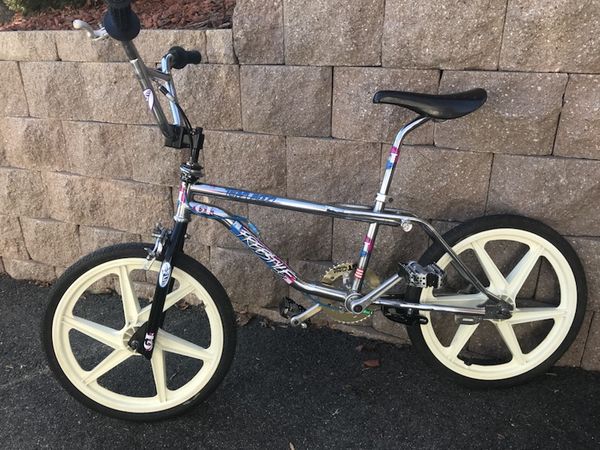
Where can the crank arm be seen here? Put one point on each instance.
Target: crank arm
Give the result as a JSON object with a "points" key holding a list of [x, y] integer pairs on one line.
{"points": [[305, 315], [357, 304], [478, 311], [492, 310]]}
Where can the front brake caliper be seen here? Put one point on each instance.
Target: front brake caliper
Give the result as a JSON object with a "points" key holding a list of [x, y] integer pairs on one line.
{"points": [[161, 234]]}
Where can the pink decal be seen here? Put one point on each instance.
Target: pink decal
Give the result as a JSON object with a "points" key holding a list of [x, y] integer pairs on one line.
{"points": [[368, 244], [359, 274], [394, 152], [181, 196], [289, 279]]}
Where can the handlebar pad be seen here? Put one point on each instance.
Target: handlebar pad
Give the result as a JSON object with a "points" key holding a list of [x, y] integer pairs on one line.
{"points": [[182, 58], [120, 22]]}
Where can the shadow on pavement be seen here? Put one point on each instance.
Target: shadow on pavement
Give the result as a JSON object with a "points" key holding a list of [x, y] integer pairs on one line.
{"points": [[305, 387]]}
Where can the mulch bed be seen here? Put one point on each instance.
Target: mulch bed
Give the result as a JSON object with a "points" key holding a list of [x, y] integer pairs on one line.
{"points": [[180, 14]]}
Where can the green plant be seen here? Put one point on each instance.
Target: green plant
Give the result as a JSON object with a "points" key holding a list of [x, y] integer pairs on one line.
{"points": [[29, 6]]}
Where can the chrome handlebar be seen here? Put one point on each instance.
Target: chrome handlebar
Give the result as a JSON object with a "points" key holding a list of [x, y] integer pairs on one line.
{"points": [[95, 35], [145, 76]]}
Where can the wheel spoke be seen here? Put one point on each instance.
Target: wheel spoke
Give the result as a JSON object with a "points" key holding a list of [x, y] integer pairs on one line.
{"points": [[516, 278], [106, 365], [524, 315], [159, 371], [458, 300], [94, 330], [497, 281], [131, 305], [510, 339], [171, 299], [173, 344], [460, 339]]}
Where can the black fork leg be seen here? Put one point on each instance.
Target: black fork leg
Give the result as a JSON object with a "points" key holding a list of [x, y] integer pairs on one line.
{"points": [[144, 340]]}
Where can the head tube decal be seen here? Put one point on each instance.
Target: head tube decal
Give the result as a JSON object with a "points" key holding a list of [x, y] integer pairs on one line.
{"points": [[182, 194]]}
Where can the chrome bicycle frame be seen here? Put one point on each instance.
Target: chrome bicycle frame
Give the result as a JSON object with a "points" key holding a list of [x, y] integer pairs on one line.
{"points": [[376, 215]]}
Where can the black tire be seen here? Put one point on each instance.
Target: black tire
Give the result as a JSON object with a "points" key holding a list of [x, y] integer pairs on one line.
{"points": [[471, 229], [189, 269]]}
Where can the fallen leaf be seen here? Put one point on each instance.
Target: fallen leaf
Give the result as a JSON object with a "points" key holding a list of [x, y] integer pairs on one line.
{"points": [[371, 363]]}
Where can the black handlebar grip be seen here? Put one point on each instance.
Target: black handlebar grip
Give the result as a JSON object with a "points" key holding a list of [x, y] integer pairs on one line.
{"points": [[182, 58], [120, 22]]}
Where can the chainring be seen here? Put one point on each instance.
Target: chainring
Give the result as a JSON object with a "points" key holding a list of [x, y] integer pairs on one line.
{"points": [[340, 276]]}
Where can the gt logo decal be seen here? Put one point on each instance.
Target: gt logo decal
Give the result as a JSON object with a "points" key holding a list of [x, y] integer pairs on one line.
{"points": [[165, 274], [149, 341]]}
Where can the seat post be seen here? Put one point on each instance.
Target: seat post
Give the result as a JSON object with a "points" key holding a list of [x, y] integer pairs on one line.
{"points": [[380, 199], [392, 160]]}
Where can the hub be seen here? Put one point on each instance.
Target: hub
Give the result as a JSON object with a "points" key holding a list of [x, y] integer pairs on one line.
{"points": [[127, 338]]}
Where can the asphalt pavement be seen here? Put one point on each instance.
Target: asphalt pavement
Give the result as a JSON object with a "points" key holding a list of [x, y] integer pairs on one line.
{"points": [[295, 389]]}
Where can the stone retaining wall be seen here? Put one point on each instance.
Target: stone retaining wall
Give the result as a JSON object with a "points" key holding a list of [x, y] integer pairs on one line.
{"points": [[285, 98]]}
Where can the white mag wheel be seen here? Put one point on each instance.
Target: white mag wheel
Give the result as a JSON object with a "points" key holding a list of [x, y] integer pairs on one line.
{"points": [[527, 264], [99, 303]]}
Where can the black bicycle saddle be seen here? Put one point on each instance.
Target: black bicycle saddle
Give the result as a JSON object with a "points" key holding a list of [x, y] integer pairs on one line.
{"points": [[446, 106]]}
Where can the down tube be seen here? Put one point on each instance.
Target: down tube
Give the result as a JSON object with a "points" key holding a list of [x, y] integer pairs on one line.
{"points": [[260, 249], [275, 263], [243, 233]]}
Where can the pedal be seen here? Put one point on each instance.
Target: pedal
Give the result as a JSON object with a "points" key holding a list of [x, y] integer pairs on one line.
{"points": [[288, 308], [404, 316], [422, 277]]}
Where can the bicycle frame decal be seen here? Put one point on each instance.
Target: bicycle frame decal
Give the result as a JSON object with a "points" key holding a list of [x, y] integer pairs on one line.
{"points": [[204, 210], [149, 96], [263, 252], [367, 245], [182, 197], [165, 274], [247, 237], [392, 159], [149, 341], [247, 195]]}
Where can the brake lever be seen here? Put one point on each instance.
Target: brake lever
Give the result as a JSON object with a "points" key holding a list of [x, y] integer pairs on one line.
{"points": [[95, 35]]}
